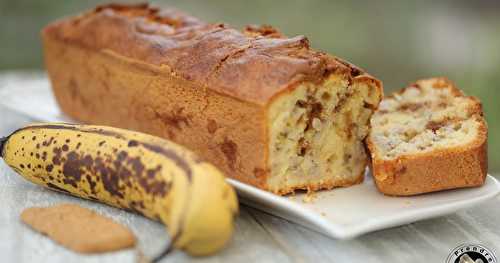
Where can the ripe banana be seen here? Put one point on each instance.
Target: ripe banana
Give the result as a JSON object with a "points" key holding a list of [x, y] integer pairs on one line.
{"points": [[130, 170]]}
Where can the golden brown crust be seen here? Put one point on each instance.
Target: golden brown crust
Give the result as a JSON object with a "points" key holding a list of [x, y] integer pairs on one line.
{"points": [[107, 89], [455, 168], [252, 65], [449, 168]]}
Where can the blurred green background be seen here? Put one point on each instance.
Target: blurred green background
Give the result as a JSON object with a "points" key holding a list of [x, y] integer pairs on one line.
{"points": [[396, 41]]}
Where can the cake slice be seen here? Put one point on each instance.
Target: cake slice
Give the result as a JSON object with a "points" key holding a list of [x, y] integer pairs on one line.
{"points": [[428, 137]]}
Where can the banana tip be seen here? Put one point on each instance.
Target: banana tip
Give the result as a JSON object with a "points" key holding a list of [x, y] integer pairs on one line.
{"points": [[2, 143]]}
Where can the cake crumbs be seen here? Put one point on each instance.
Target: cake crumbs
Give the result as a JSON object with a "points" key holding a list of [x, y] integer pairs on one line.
{"points": [[309, 197]]}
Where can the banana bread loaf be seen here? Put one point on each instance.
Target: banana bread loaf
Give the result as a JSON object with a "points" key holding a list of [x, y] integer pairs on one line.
{"points": [[428, 137], [266, 109]]}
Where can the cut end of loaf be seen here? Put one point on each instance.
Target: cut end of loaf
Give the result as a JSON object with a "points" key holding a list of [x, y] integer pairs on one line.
{"points": [[316, 134]]}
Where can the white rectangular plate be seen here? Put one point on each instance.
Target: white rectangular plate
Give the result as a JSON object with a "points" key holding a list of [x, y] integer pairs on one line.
{"points": [[340, 213]]}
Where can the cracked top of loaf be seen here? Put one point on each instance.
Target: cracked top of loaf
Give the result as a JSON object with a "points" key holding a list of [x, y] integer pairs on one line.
{"points": [[252, 65]]}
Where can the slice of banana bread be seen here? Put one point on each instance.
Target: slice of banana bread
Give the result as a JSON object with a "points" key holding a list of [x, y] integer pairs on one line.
{"points": [[428, 137]]}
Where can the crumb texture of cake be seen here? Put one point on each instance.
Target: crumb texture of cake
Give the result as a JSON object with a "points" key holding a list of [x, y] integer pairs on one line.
{"points": [[428, 137], [266, 109], [317, 134]]}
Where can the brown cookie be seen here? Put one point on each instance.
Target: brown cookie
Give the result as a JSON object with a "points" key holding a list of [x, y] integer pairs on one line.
{"points": [[79, 229]]}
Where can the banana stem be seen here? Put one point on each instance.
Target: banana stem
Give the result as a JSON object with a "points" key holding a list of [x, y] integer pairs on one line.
{"points": [[3, 140]]}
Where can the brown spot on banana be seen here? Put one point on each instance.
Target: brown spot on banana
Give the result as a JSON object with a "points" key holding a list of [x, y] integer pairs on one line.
{"points": [[131, 170], [171, 155], [133, 143]]}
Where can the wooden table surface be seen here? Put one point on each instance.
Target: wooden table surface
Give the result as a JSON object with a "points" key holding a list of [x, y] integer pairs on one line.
{"points": [[259, 237]]}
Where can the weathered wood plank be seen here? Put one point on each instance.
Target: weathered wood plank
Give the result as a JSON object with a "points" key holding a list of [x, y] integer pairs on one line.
{"points": [[426, 241], [251, 243]]}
